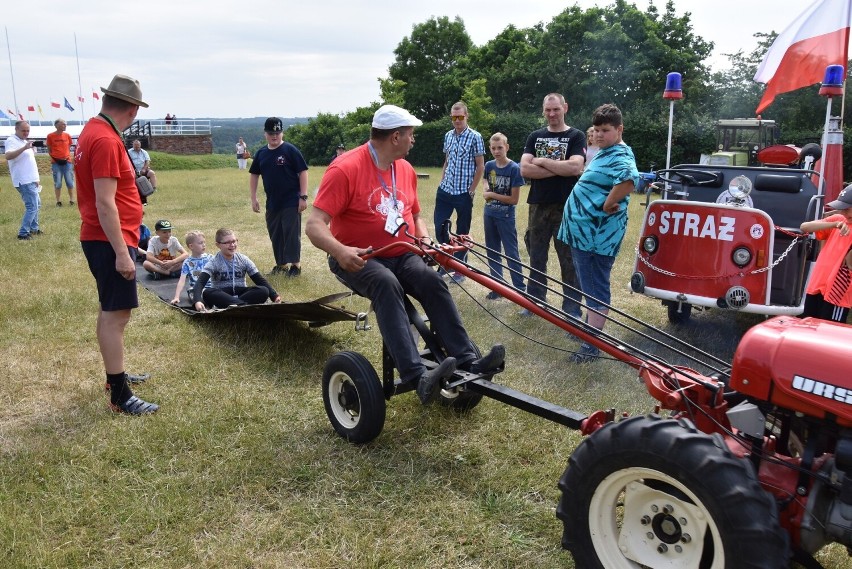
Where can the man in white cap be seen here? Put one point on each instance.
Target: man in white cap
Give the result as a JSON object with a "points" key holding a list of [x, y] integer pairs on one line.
{"points": [[111, 212], [364, 197]]}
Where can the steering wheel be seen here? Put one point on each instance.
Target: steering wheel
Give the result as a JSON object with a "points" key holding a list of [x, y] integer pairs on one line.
{"points": [[690, 177]]}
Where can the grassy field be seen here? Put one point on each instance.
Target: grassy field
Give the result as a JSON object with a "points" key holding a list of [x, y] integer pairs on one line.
{"points": [[241, 467]]}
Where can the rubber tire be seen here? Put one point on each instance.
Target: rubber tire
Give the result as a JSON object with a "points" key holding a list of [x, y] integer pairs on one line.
{"points": [[697, 473], [360, 417], [464, 401], [681, 317]]}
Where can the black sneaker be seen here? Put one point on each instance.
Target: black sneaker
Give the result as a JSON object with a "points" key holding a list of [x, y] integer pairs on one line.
{"points": [[58, 204], [24, 237], [135, 406], [278, 270], [37, 232], [137, 378], [492, 361], [294, 271], [429, 384], [585, 354], [493, 296]]}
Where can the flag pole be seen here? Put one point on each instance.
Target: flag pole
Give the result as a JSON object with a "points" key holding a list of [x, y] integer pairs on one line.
{"points": [[79, 83], [11, 74]]}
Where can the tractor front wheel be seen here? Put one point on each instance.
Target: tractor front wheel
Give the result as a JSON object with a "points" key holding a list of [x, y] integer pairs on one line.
{"points": [[653, 492]]}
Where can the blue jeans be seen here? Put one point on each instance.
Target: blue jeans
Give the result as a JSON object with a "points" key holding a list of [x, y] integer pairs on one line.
{"points": [[444, 205], [385, 281], [65, 172], [32, 203], [593, 272], [500, 231]]}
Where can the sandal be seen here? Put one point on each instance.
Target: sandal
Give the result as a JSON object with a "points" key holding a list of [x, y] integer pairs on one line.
{"points": [[135, 406]]}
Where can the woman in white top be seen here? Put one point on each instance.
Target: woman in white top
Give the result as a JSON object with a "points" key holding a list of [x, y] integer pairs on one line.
{"points": [[241, 154]]}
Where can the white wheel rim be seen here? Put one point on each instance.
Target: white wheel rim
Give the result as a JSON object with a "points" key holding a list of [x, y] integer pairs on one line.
{"points": [[626, 530], [339, 383]]}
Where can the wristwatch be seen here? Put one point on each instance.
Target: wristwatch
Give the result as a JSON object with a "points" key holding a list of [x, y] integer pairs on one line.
{"points": [[304, 197]]}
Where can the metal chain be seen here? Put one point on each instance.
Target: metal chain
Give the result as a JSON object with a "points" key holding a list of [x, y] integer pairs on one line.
{"points": [[780, 258], [754, 272]]}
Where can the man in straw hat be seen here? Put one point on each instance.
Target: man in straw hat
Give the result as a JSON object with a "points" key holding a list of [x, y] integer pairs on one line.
{"points": [[111, 212]]}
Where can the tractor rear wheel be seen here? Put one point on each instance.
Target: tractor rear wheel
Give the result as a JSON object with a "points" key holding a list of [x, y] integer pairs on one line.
{"points": [[653, 492], [353, 397]]}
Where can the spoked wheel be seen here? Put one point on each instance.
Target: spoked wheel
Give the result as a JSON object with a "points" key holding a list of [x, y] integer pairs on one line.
{"points": [[353, 397], [461, 399], [679, 312], [652, 492]]}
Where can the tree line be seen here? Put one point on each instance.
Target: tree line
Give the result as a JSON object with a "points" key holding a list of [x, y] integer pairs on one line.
{"points": [[617, 54]]}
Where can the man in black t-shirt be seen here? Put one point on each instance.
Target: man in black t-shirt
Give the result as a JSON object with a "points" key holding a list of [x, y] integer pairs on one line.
{"points": [[553, 159]]}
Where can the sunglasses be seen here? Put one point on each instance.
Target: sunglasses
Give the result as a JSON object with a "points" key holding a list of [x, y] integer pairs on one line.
{"points": [[458, 117]]}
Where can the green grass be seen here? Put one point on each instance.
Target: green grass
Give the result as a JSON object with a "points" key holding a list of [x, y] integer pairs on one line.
{"points": [[241, 467]]}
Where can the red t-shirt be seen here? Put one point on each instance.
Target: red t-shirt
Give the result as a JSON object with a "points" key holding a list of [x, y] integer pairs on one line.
{"points": [[353, 195], [59, 145], [830, 260], [101, 154]]}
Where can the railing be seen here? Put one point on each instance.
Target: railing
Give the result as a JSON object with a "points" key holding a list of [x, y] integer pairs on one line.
{"points": [[161, 127]]}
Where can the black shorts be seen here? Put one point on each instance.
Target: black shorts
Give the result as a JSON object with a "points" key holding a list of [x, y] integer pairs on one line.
{"points": [[114, 291], [817, 306]]}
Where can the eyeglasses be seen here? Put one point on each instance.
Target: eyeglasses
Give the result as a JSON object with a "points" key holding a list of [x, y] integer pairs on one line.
{"points": [[228, 243], [458, 117]]}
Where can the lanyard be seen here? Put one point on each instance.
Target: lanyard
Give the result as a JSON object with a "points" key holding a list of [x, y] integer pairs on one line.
{"points": [[392, 192]]}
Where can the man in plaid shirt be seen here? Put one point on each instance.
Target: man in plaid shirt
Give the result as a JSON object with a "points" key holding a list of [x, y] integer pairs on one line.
{"points": [[464, 163]]}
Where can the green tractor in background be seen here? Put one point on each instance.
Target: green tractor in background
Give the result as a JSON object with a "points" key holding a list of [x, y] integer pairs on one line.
{"points": [[739, 140]]}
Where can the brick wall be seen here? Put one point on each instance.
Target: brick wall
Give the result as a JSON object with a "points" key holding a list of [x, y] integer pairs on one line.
{"points": [[182, 144]]}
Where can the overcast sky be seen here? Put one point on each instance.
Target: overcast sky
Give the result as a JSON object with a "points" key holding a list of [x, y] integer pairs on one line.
{"points": [[221, 58]]}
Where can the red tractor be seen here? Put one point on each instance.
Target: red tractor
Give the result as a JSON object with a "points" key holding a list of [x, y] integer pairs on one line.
{"points": [[747, 468]]}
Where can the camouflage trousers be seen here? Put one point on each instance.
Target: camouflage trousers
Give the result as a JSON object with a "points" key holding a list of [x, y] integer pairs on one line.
{"points": [[543, 225]]}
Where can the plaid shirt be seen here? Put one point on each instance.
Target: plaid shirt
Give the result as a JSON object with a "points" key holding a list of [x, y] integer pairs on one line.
{"points": [[461, 151]]}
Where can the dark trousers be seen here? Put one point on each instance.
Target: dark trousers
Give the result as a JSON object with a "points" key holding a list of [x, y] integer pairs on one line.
{"points": [[544, 222], [445, 204], [285, 233], [385, 281], [239, 295]]}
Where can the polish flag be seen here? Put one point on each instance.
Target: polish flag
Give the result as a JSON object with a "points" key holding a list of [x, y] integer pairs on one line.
{"points": [[31, 108], [819, 37], [81, 98], [55, 105], [95, 95]]}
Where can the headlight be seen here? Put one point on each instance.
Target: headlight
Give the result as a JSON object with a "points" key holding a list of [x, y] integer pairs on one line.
{"points": [[650, 244], [741, 256]]}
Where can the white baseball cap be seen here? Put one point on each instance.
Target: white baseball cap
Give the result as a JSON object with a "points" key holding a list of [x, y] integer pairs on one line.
{"points": [[391, 116]]}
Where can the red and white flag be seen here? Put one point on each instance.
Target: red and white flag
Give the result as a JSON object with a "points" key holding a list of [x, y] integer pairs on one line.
{"points": [[95, 95], [31, 108], [819, 37], [81, 98], [55, 104]]}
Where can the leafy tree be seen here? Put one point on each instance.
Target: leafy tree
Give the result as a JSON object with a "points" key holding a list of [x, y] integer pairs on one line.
{"points": [[478, 102], [511, 64], [393, 91], [424, 64], [318, 138]]}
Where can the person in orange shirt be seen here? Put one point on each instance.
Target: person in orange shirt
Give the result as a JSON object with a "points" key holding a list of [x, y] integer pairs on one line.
{"points": [[59, 147], [829, 294]]}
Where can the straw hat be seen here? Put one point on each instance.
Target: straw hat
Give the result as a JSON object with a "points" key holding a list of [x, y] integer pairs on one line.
{"points": [[125, 88]]}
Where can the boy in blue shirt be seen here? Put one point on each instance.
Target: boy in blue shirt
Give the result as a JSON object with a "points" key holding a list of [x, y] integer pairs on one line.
{"points": [[192, 265], [502, 181], [595, 217]]}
